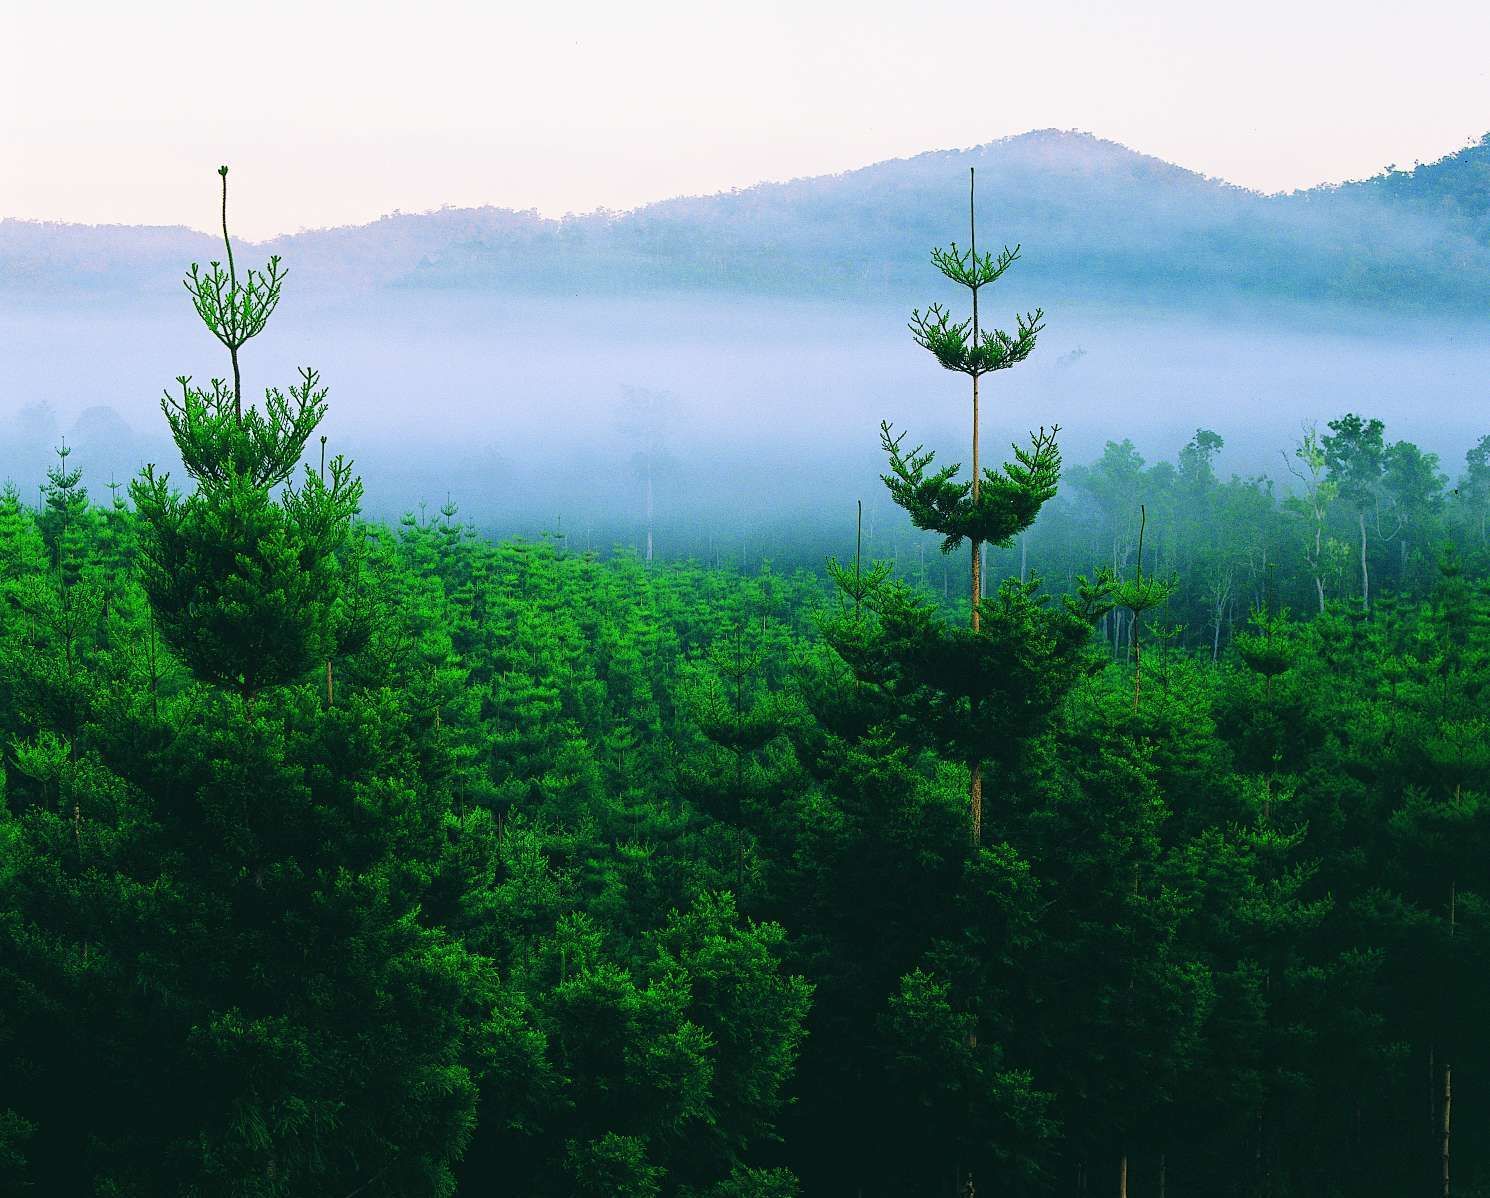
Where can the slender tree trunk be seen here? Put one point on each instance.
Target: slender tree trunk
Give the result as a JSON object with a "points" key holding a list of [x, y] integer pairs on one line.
{"points": [[1117, 619], [977, 571], [975, 802], [1123, 1176], [1318, 561], [1365, 575], [232, 283], [330, 692], [649, 514], [975, 781], [1143, 519]]}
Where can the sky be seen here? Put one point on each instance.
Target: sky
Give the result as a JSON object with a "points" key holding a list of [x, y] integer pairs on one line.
{"points": [[334, 113]]}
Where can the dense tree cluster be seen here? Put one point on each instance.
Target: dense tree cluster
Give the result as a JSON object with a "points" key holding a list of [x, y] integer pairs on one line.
{"points": [[352, 860], [1359, 514]]}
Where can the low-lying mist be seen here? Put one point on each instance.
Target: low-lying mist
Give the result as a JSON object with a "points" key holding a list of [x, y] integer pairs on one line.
{"points": [[764, 413]]}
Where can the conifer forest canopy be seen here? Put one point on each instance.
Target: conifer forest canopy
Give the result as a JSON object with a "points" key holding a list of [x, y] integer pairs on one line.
{"points": [[1039, 751]]}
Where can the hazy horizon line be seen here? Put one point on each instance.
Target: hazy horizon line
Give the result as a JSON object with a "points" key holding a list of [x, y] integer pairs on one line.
{"points": [[396, 213]]}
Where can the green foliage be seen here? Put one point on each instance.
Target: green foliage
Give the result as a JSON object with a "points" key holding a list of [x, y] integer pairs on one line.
{"points": [[954, 344], [1270, 648], [245, 585], [220, 445], [606, 877], [1354, 455], [509, 859], [974, 695], [1007, 502]]}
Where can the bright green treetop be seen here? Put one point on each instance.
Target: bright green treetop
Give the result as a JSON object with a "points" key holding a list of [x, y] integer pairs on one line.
{"points": [[245, 573]]}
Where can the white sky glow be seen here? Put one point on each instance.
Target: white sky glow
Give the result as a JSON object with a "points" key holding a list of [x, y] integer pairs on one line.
{"points": [[333, 113]]}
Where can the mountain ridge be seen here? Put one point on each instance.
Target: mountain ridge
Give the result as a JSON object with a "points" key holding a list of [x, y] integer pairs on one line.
{"points": [[1072, 135], [1096, 217]]}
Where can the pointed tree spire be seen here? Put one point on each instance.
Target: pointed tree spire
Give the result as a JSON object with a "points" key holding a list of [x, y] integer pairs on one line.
{"points": [[991, 507], [244, 574]]}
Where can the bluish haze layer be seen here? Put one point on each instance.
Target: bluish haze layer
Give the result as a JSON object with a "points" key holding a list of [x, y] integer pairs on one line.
{"points": [[484, 355]]}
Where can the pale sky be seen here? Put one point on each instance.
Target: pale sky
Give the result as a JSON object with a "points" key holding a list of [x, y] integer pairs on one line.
{"points": [[333, 113]]}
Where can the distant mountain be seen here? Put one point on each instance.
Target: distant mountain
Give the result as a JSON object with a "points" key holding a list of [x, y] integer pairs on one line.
{"points": [[1454, 190], [1097, 221]]}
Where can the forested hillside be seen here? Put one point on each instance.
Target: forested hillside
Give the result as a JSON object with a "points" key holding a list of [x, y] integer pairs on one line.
{"points": [[347, 859], [597, 866], [1102, 222]]}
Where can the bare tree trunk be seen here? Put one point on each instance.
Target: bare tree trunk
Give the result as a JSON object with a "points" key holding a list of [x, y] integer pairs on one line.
{"points": [[649, 513], [1123, 1176], [330, 694], [975, 802], [1143, 519], [977, 571], [233, 283], [1365, 575], [975, 782]]}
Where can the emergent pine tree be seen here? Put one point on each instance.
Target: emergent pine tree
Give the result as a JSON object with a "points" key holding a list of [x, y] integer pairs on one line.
{"points": [[994, 506], [965, 347], [244, 584]]}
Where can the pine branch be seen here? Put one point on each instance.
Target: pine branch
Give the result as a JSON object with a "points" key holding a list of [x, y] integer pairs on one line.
{"points": [[952, 344], [1009, 499], [972, 270]]}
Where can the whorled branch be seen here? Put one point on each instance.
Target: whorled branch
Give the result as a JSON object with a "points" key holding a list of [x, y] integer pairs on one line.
{"points": [[1009, 499], [235, 312], [973, 270], [952, 344], [263, 447]]}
